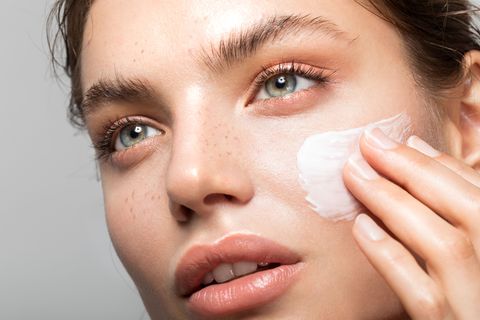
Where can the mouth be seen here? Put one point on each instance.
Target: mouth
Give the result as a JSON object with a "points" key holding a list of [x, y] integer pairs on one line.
{"points": [[235, 274], [226, 272]]}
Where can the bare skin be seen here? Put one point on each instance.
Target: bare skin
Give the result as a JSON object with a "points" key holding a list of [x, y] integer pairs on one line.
{"points": [[219, 157]]}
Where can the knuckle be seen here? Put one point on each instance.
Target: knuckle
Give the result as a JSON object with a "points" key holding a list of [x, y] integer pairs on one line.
{"points": [[423, 163], [457, 246], [395, 256], [418, 165]]}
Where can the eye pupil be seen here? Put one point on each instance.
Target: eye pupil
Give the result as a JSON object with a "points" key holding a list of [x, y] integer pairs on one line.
{"points": [[281, 82], [136, 132], [281, 85]]}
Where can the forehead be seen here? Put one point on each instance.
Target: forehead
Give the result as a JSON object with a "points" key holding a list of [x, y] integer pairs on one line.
{"points": [[151, 36]]}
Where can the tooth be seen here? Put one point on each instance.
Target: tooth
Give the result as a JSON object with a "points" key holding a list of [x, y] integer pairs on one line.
{"points": [[208, 278], [243, 268], [263, 264], [223, 273]]}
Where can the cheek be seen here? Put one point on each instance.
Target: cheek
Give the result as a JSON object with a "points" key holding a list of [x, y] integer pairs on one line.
{"points": [[140, 226], [271, 159]]}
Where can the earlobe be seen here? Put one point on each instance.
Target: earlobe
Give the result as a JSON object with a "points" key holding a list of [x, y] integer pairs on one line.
{"points": [[469, 125]]}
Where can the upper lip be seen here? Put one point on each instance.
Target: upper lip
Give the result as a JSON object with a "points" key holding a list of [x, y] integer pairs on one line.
{"points": [[201, 259]]}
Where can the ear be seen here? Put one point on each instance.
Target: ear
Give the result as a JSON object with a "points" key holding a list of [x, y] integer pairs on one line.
{"points": [[469, 120]]}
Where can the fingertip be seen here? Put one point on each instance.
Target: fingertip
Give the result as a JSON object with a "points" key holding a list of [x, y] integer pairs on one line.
{"points": [[368, 229], [423, 147]]}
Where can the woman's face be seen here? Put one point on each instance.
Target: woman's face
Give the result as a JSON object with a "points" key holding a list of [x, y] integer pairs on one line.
{"points": [[213, 146]]}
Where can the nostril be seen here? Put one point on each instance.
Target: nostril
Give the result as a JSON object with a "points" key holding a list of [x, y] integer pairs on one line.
{"points": [[180, 212], [187, 212], [217, 197]]}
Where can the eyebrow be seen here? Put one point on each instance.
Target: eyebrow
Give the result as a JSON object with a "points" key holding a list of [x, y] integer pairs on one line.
{"points": [[119, 89], [234, 48], [241, 44]]}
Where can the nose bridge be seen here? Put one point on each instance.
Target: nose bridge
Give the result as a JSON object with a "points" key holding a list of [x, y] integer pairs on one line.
{"points": [[202, 131], [203, 166], [199, 142]]}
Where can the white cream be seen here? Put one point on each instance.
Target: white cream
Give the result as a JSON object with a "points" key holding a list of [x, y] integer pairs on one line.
{"points": [[322, 157]]}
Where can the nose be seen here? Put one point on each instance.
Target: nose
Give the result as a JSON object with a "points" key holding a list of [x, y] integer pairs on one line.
{"points": [[204, 172]]}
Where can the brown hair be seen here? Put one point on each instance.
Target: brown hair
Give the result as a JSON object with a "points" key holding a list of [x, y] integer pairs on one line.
{"points": [[437, 35]]}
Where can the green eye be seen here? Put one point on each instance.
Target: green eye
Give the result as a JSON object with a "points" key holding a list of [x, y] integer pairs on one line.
{"points": [[281, 85], [133, 134]]}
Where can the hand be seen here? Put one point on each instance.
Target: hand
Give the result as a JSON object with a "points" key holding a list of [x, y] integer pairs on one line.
{"points": [[430, 203]]}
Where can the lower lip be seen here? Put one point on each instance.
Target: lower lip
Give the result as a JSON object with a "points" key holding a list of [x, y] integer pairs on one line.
{"points": [[245, 293]]}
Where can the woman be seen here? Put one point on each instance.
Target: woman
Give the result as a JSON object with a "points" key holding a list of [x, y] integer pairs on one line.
{"points": [[203, 114]]}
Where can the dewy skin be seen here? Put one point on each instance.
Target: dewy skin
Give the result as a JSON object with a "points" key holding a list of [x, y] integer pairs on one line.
{"points": [[322, 157]]}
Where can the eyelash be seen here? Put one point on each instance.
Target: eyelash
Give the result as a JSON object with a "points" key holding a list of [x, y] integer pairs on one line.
{"points": [[104, 146]]}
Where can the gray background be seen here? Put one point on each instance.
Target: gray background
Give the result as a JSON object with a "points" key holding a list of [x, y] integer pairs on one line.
{"points": [[56, 261]]}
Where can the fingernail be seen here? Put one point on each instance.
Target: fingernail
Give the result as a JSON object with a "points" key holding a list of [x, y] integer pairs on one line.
{"points": [[423, 147], [378, 139], [361, 168], [368, 228]]}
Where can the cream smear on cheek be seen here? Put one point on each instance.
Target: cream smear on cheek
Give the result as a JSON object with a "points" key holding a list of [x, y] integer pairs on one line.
{"points": [[322, 157]]}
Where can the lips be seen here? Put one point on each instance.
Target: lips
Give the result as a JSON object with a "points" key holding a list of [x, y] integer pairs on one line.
{"points": [[235, 274]]}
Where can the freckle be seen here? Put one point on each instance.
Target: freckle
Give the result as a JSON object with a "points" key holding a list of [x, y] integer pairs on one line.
{"points": [[133, 194], [153, 198], [159, 197], [226, 137], [126, 200], [143, 50], [229, 153], [131, 209]]}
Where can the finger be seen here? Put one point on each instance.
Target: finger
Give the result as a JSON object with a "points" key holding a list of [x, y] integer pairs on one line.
{"points": [[421, 297], [460, 168], [457, 166], [446, 250], [431, 182]]}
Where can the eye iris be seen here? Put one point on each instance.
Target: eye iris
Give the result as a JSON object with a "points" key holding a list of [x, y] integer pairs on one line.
{"points": [[132, 135], [281, 85]]}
